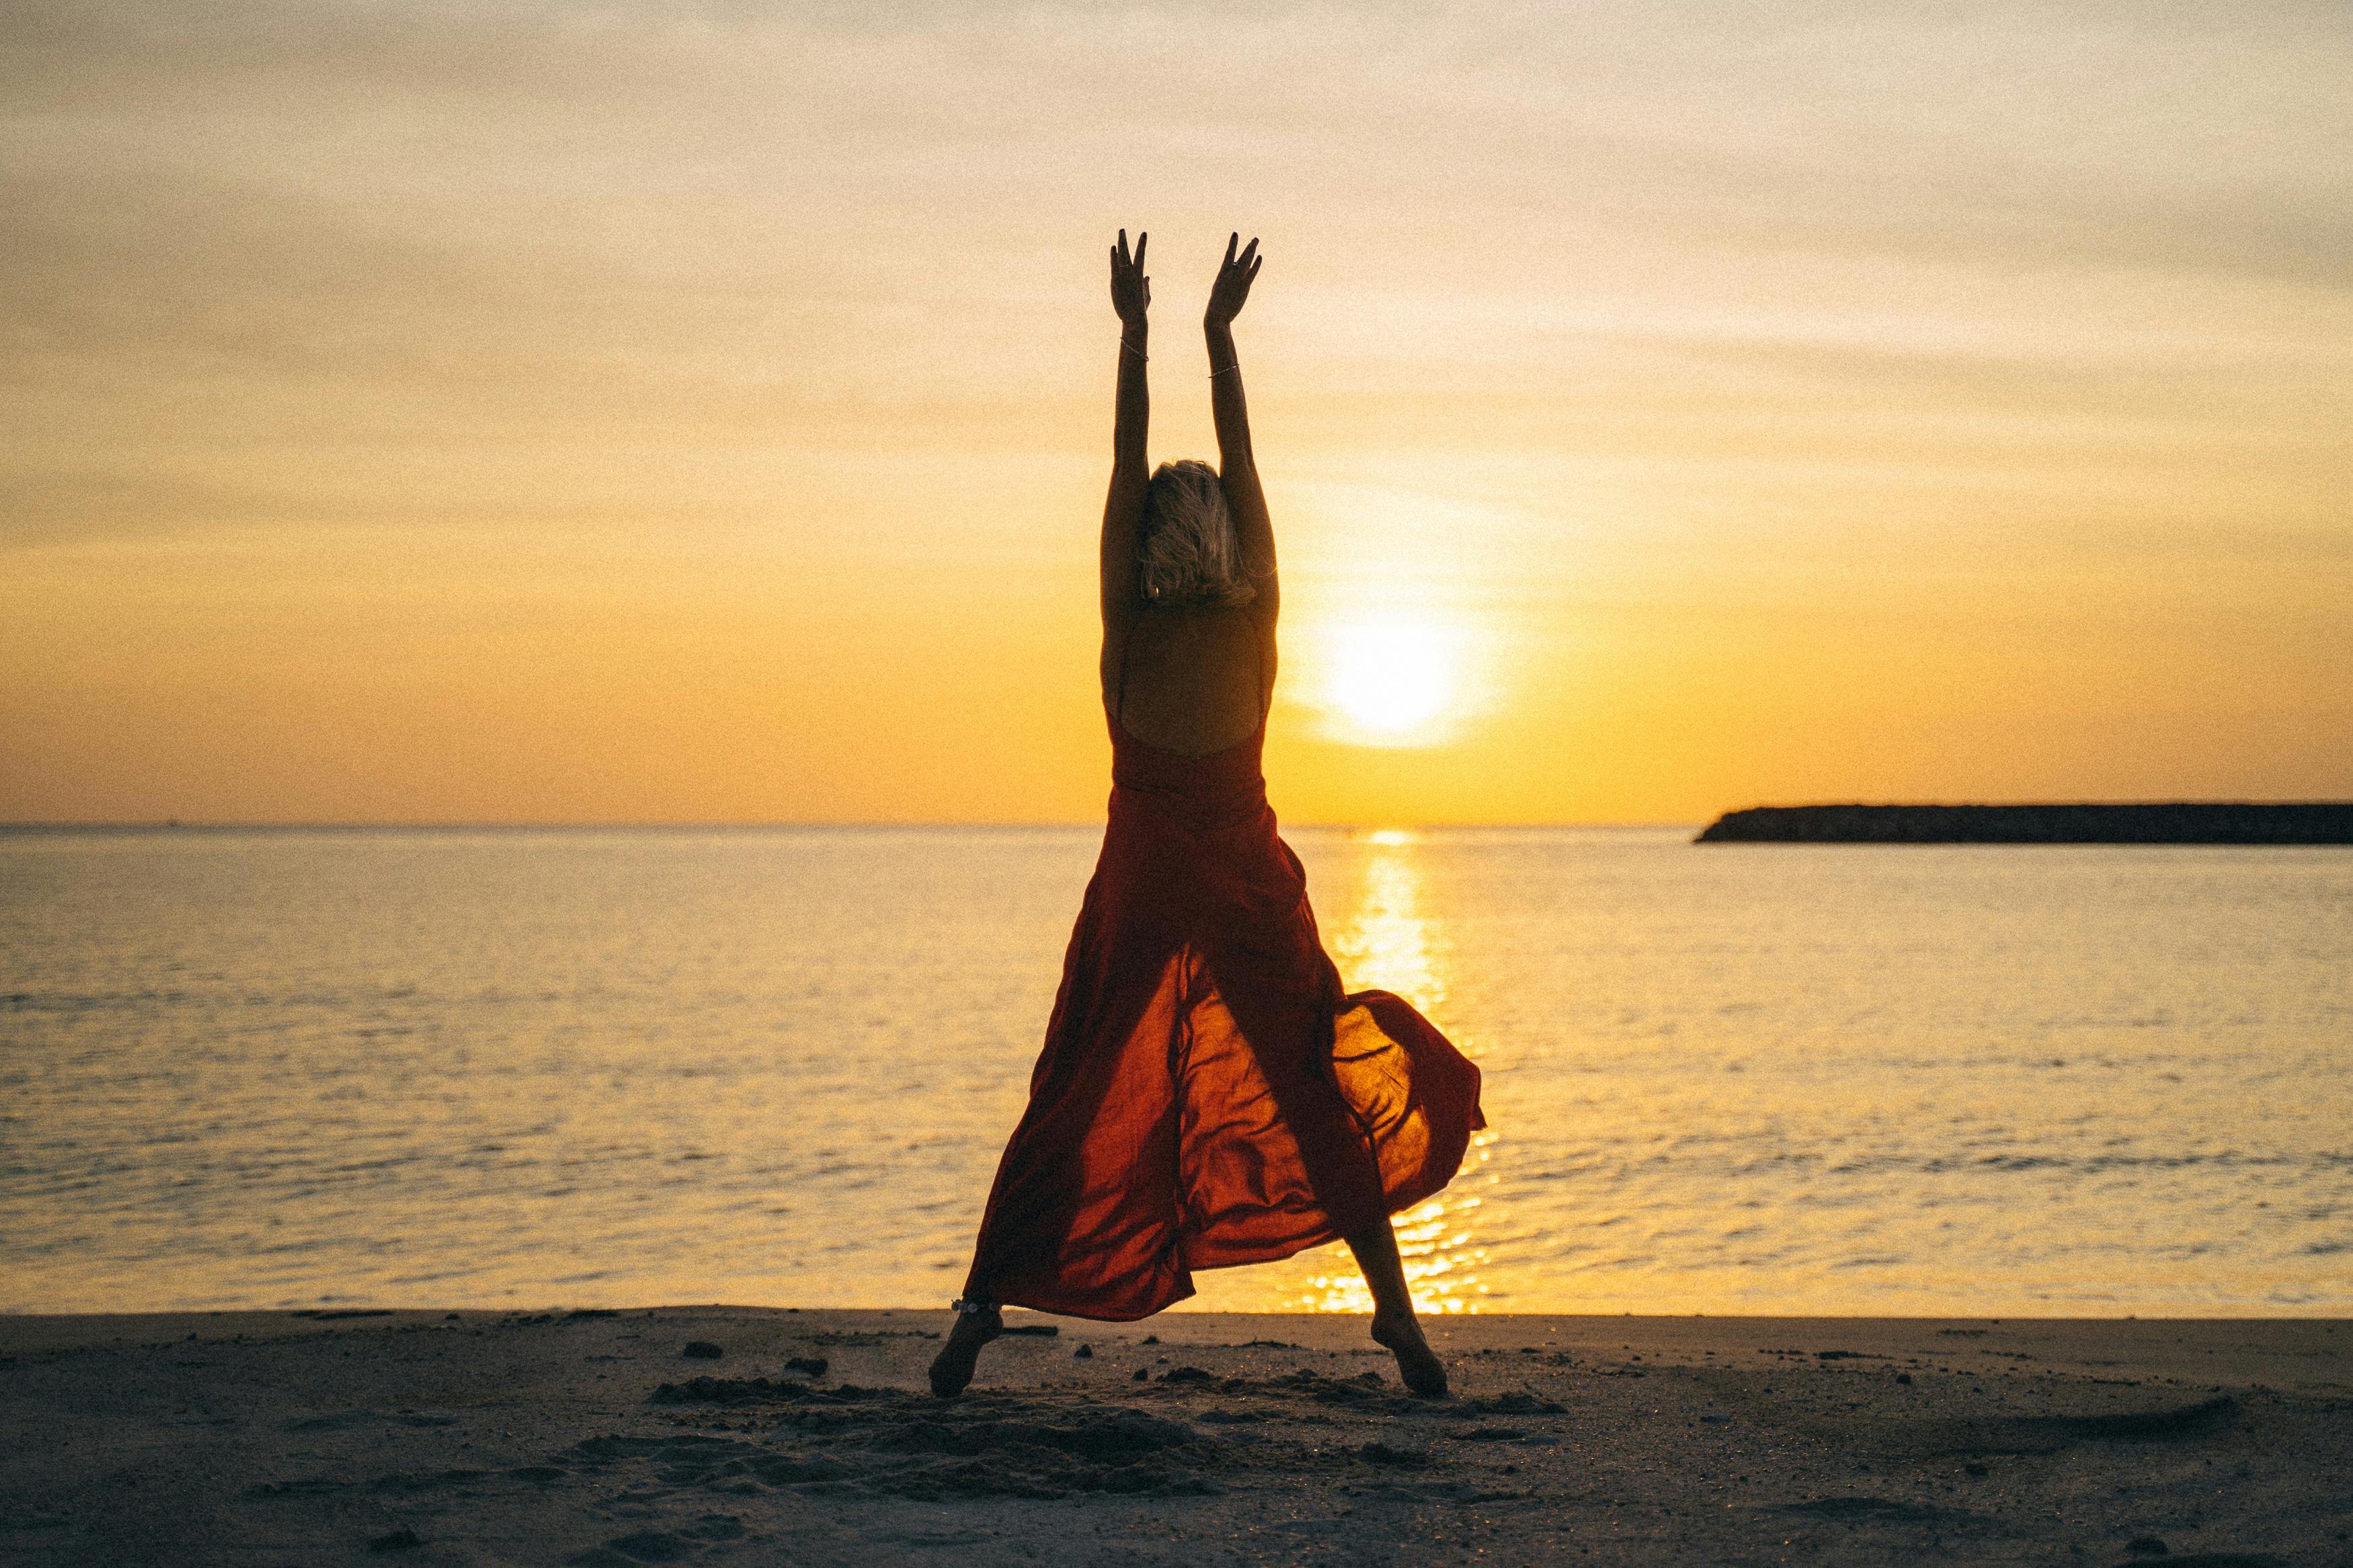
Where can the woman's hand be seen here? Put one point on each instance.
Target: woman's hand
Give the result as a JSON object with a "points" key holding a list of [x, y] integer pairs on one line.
{"points": [[1131, 291], [1233, 285]]}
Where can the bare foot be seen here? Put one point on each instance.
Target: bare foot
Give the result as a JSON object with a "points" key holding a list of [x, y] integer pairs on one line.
{"points": [[952, 1368], [1420, 1368]]}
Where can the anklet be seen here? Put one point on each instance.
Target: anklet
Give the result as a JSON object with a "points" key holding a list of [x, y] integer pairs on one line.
{"points": [[971, 1308]]}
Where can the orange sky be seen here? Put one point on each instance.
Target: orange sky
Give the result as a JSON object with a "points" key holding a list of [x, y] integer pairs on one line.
{"points": [[573, 413]]}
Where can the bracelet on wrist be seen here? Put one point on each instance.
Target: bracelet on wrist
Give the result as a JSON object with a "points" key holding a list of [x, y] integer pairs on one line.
{"points": [[1126, 347]]}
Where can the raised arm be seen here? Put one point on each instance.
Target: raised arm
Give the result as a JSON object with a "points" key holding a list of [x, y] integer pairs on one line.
{"points": [[1130, 292], [1235, 465]]}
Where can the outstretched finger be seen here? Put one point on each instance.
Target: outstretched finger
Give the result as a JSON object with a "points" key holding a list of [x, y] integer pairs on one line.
{"points": [[1253, 271], [1249, 252], [1231, 240], [1122, 251], [1141, 241]]}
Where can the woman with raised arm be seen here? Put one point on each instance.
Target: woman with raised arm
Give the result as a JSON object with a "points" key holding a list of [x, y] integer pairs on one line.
{"points": [[1207, 1094]]}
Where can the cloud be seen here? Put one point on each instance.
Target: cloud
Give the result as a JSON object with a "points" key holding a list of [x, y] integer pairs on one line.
{"points": [[241, 236]]}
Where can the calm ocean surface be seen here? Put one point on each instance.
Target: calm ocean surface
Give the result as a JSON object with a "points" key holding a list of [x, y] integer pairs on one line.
{"points": [[594, 1067]]}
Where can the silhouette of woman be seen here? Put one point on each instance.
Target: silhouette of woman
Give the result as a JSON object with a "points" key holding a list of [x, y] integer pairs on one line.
{"points": [[1207, 1094]]}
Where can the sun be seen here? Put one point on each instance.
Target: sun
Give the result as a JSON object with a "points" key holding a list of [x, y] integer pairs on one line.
{"points": [[1393, 679]]}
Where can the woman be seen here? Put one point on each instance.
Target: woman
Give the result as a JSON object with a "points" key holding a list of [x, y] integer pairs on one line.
{"points": [[1208, 1095]]}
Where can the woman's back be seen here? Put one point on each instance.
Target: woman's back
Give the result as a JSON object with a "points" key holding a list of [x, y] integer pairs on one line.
{"points": [[1192, 682]]}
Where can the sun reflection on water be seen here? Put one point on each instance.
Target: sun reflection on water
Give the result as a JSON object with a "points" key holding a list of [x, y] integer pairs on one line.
{"points": [[1390, 942]]}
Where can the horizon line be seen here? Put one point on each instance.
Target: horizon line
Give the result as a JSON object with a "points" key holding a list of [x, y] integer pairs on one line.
{"points": [[185, 824], [166, 824]]}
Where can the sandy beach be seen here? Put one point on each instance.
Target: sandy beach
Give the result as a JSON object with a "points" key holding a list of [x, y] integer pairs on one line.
{"points": [[728, 1434]]}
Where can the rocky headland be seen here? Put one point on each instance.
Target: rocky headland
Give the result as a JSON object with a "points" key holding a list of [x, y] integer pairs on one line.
{"points": [[2180, 822]]}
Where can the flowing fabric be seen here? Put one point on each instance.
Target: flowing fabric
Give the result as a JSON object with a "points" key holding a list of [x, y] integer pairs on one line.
{"points": [[1208, 1095]]}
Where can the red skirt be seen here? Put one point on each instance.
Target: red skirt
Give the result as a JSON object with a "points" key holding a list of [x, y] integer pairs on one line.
{"points": [[1208, 1095]]}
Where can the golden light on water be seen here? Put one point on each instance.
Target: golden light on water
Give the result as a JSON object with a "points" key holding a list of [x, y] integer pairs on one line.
{"points": [[1391, 942]]}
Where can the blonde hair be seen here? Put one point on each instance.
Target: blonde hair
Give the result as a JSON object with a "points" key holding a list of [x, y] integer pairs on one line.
{"points": [[1189, 553]]}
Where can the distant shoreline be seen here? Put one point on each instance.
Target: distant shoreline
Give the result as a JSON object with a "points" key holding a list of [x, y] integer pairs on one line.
{"points": [[2178, 822]]}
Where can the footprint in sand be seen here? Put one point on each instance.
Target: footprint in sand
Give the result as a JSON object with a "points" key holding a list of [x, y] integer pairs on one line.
{"points": [[660, 1545]]}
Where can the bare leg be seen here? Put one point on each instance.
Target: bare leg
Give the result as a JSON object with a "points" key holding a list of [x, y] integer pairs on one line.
{"points": [[1394, 1324], [952, 1368]]}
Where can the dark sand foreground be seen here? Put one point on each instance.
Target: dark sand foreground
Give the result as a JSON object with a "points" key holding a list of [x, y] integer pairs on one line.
{"points": [[595, 1439]]}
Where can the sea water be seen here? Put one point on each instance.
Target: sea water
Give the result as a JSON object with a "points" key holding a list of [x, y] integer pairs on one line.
{"points": [[505, 1068]]}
